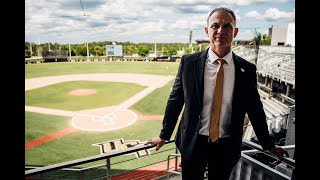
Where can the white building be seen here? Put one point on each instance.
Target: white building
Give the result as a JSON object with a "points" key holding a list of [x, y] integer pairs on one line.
{"points": [[283, 35]]}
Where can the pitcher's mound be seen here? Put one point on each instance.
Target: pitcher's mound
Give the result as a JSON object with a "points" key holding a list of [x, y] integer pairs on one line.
{"points": [[82, 92]]}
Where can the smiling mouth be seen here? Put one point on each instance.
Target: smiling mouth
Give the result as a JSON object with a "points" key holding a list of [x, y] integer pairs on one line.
{"points": [[220, 39]]}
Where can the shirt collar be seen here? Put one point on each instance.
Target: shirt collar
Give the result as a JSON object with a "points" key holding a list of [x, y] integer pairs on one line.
{"points": [[213, 57]]}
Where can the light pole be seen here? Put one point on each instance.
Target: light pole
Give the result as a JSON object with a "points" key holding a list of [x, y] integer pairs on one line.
{"points": [[85, 33], [155, 45], [87, 51], [190, 38], [38, 49], [69, 52], [30, 49]]}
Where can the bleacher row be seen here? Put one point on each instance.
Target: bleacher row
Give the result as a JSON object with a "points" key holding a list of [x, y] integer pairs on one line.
{"points": [[277, 66], [276, 113], [249, 54]]}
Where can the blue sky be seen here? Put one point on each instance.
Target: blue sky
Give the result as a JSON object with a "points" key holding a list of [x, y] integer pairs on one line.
{"points": [[80, 21]]}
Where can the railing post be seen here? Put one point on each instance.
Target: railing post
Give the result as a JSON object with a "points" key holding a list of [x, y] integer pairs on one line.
{"points": [[176, 161], [108, 169], [290, 134], [42, 176], [293, 175], [81, 175]]}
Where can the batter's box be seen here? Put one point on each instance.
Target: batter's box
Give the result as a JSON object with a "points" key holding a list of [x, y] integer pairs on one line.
{"points": [[110, 121]]}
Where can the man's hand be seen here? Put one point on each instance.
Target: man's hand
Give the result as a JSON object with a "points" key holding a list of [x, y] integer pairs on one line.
{"points": [[279, 152], [156, 141]]}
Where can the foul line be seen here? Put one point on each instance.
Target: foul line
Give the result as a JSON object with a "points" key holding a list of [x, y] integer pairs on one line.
{"points": [[49, 137]]}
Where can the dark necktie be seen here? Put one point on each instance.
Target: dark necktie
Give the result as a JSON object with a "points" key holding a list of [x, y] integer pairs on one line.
{"points": [[216, 106]]}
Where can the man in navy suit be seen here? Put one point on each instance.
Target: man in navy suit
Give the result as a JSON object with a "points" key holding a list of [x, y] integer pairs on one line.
{"points": [[193, 88]]}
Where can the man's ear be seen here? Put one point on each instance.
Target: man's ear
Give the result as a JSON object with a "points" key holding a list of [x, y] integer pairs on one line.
{"points": [[206, 30], [235, 33]]}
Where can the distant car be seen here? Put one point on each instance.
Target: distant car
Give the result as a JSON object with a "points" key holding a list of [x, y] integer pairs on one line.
{"points": [[146, 59]]}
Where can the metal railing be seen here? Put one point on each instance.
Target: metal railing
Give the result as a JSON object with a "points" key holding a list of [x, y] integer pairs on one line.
{"points": [[247, 168], [78, 173]]}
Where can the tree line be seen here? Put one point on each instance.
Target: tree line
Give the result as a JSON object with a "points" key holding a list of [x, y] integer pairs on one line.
{"points": [[129, 48], [99, 48]]}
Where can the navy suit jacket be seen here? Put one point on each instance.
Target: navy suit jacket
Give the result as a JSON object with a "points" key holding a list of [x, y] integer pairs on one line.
{"points": [[187, 92]]}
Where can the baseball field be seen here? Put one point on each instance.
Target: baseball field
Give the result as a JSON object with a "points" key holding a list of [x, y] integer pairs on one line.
{"points": [[75, 110]]}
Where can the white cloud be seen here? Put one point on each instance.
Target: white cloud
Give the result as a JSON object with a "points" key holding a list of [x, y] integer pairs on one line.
{"points": [[271, 14], [245, 35], [274, 13], [254, 14], [135, 20]]}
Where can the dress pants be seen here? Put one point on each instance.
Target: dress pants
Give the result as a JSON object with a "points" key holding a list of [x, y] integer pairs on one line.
{"points": [[217, 157]]}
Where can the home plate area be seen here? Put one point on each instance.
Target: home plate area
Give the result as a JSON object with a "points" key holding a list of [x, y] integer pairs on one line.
{"points": [[110, 121]]}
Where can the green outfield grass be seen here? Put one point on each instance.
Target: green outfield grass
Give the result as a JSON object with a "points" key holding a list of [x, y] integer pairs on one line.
{"points": [[55, 69], [155, 102], [38, 125], [57, 96]]}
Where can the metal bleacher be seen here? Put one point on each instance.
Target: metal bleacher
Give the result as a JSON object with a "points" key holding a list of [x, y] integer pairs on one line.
{"points": [[276, 114], [277, 66], [250, 53], [271, 61], [288, 72], [276, 63]]}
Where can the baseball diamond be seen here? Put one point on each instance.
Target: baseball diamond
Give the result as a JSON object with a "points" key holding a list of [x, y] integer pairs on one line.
{"points": [[105, 118]]}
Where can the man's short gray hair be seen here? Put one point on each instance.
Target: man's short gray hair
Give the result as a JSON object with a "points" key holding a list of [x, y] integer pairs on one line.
{"points": [[223, 9]]}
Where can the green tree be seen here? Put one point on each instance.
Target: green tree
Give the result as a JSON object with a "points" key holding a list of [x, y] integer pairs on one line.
{"points": [[187, 50], [26, 50], [81, 51], [266, 40], [257, 39], [173, 51], [143, 50], [98, 50], [129, 50], [165, 51], [262, 39]]}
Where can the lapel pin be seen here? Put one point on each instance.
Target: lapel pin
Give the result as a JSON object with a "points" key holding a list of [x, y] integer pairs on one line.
{"points": [[242, 70]]}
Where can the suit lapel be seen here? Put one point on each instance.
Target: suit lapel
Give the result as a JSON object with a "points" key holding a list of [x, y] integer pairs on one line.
{"points": [[199, 73], [237, 80]]}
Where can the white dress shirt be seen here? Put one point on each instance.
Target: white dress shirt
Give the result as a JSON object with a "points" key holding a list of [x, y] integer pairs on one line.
{"points": [[210, 76]]}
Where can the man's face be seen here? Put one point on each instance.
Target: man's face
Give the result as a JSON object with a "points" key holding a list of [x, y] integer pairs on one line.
{"points": [[221, 29]]}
